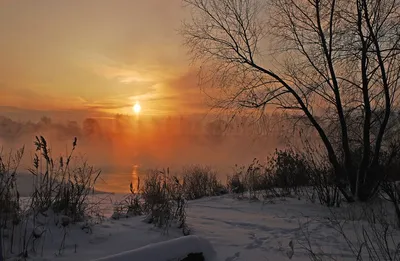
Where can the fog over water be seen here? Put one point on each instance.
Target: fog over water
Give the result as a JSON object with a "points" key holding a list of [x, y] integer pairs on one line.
{"points": [[125, 147]]}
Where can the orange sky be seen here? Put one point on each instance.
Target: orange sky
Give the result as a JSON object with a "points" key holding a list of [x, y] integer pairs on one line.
{"points": [[71, 60], [90, 56]]}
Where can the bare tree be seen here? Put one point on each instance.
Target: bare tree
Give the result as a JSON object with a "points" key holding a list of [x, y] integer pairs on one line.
{"points": [[333, 63]]}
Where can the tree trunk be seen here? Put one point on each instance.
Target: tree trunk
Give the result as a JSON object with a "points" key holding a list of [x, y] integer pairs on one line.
{"points": [[1, 246], [340, 182], [367, 187]]}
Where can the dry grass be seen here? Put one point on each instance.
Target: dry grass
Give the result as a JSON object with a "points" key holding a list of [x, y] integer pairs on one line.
{"points": [[61, 190]]}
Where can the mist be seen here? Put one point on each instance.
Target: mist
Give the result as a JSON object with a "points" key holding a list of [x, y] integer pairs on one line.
{"points": [[121, 145]]}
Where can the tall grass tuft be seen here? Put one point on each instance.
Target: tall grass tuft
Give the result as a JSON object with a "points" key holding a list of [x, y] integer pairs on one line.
{"points": [[285, 173], [9, 198], [58, 185], [61, 190], [201, 181], [164, 201]]}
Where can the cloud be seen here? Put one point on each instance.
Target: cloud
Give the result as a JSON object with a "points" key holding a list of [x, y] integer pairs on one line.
{"points": [[108, 106], [101, 53], [186, 94], [58, 115], [29, 98], [115, 69]]}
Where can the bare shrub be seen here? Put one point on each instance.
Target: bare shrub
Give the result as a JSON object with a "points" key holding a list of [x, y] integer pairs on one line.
{"points": [[200, 181], [164, 201], [235, 183], [131, 205], [322, 182], [61, 190], [254, 179], [391, 192], [58, 185], [290, 171], [370, 237], [9, 195], [284, 173], [10, 215], [250, 179], [133, 201], [73, 194], [390, 184]]}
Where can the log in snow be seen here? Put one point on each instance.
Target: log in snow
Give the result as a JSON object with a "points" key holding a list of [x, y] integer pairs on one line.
{"points": [[175, 249]]}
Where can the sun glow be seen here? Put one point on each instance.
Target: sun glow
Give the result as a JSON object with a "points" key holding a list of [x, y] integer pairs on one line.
{"points": [[137, 108]]}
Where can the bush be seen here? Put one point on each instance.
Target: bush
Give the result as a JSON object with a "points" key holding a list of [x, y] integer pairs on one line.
{"points": [[164, 202], [133, 201], [391, 192], [10, 214], [235, 183], [322, 180], [131, 205], [162, 197], [254, 178], [290, 170], [373, 237], [390, 186], [283, 174], [249, 179], [61, 193], [59, 186], [309, 172], [200, 181], [9, 195]]}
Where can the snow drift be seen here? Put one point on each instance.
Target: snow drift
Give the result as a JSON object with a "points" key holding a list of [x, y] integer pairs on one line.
{"points": [[175, 249]]}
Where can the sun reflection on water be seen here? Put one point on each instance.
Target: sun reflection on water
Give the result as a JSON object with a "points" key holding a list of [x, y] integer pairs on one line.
{"points": [[135, 178], [118, 181]]}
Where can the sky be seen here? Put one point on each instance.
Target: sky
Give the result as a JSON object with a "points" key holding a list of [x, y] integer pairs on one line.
{"points": [[90, 57], [78, 60]]}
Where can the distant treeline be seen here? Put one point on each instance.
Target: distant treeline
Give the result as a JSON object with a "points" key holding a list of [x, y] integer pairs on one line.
{"points": [[12, 130]]}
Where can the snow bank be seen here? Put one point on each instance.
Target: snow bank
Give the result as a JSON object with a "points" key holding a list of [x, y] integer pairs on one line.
{"points": [[167, 250]]}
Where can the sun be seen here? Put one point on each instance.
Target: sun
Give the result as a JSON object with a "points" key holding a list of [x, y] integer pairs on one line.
{"points": [[137, 108]]}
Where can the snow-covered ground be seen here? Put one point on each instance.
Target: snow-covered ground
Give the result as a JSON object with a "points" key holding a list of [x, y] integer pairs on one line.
{"points": [[237, 230], [243, 230], [174, 249]]}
